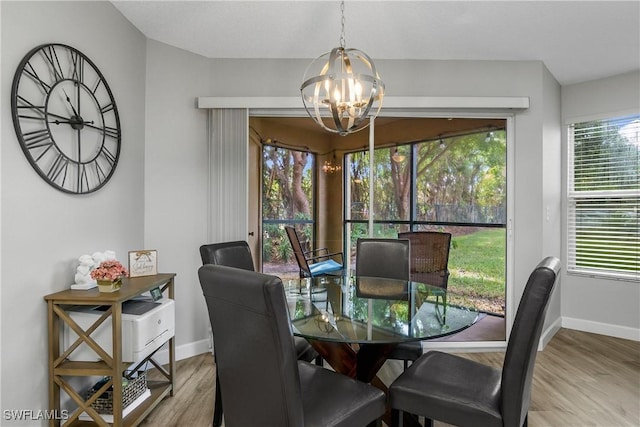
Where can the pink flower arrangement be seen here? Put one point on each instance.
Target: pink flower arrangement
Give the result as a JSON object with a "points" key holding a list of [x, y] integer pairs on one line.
{"points": [[109, 270]]}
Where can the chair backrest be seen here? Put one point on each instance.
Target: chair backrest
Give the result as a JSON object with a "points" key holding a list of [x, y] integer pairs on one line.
{"points": [[429, 256], [383, 258], [297, 250], [232, 254], [517, 371], [255, 355]]}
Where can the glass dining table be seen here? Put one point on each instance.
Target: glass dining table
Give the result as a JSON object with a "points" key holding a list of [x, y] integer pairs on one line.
{"points": [[355, 322]]}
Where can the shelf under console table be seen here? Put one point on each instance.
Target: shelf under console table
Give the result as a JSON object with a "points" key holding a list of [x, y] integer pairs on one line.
{"points": [[110, 365]]}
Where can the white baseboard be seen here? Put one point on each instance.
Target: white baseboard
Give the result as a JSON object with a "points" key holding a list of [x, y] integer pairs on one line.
{"points": [[548, 333], [464, 346], [192, 349], [204, 346], [485, 346], [616, 331], [184, 351]]}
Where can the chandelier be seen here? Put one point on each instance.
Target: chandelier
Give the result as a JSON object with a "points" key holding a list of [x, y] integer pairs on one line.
{"points": [[342, 88], [332, 165]]}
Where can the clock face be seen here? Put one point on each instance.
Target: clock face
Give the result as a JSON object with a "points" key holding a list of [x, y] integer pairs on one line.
{"points": [[66, 118]]}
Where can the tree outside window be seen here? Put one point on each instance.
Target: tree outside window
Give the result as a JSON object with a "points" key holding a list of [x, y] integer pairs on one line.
{"points": [[287, 199], [455, 184]]}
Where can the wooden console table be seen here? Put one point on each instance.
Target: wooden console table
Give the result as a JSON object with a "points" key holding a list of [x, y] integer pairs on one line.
{"points": [[111, 365]]}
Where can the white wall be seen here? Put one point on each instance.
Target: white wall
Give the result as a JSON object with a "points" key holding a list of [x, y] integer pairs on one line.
{"points": [[176, 176], [604, 306], [44, 230], [550, 212]]}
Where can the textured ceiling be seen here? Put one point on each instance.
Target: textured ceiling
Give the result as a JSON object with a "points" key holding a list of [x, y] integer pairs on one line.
{"points": [[577, 40]]}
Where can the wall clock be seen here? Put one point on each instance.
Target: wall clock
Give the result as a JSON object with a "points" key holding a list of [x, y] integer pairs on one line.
{"points": [[66, 118]]}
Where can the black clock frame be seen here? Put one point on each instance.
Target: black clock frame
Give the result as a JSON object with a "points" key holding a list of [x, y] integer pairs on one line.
{"points": [[36, 142]]}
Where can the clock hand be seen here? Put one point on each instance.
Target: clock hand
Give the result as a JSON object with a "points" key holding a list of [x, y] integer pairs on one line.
{"points": [[78, 97], [67, 121], [72, 107], [105, 130], [57, 116], [90, 124], [74, 121], [98, 128]]}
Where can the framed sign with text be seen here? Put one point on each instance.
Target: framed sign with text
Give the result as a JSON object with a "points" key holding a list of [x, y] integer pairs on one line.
{"points": [[143, 263]]}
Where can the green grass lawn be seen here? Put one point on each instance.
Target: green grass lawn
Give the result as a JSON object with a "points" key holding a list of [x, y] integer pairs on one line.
{"points": [[477, 266]]}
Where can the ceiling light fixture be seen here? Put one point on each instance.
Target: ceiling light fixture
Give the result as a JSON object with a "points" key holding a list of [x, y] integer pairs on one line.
{"points": [[397, 157], [332, 165], [342, 88], [489, 137]]}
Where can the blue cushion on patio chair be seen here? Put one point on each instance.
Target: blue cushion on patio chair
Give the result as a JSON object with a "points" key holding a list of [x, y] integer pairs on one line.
{"points": [[324, 267]]}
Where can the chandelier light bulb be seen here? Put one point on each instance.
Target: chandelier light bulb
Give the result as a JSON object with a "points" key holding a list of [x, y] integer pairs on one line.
{"points": [[490, 137], [336, 96], [397, 157]]}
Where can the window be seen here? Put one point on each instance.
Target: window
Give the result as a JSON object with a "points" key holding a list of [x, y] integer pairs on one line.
{"points": [[287, 199], [603, 198], [455, 184]]}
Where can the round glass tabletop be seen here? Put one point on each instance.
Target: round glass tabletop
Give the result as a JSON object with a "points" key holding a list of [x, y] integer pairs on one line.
{"points": [[370, 310]]}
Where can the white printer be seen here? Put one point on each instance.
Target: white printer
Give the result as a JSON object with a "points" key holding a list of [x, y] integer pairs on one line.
{"points": [[146, 325]]}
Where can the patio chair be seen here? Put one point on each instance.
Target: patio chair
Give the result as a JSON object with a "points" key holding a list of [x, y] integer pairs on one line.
{"points": [[316, 262], [430, 261], [429, 257]]}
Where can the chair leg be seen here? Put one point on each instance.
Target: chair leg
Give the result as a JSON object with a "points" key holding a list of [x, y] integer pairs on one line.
{"points": [[442, 317], [428, 422], [396, 418], [526, 421], [217, 406], [318, 361], [444, 310]]}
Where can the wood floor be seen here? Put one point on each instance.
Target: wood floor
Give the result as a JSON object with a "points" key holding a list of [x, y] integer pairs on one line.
{"points": [[580, 380]]}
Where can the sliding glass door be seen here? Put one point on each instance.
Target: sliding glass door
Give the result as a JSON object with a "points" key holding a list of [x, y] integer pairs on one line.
{"points": [[456, 184], [288, 182]]}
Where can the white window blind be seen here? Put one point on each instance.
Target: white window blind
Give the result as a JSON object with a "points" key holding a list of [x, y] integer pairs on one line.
{"points": [[603, 198], [228, 182]]}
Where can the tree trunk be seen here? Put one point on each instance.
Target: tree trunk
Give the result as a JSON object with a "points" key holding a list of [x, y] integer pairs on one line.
{"points": [[299, 198]]}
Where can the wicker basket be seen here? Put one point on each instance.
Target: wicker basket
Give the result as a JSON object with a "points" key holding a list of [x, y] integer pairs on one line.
{"points": [[130, 392]]}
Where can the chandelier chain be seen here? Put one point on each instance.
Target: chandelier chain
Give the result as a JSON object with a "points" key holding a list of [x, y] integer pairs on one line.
{"points": [[342, 39]]}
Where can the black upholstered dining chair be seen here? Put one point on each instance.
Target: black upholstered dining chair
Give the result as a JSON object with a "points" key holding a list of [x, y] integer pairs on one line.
{"points": [[232, 254], [463, 392], [237, 254], [388, 258], [264, 384]]}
